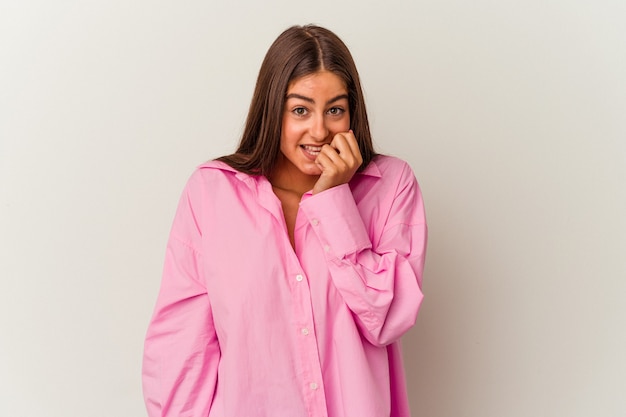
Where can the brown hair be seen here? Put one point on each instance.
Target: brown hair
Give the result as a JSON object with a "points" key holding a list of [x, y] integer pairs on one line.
{"points": [[297, 52]]}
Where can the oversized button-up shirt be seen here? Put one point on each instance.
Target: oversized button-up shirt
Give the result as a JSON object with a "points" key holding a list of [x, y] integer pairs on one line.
{"points": [[247, 326]]}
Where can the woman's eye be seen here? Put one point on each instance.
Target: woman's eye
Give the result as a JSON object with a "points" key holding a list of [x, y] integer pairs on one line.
{"points": [[335, 111], [299, 111]]}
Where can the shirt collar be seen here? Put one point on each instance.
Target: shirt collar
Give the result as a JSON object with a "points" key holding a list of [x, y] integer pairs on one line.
{"points": [[371, 170]]}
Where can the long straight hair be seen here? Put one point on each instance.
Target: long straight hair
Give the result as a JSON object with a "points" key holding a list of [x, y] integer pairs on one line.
{"points": [[297, 52]]}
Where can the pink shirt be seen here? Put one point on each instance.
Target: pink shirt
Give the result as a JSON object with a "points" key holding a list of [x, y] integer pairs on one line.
{"points": [[244, 326]]}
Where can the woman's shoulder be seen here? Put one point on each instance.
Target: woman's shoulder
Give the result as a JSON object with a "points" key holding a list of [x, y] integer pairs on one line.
{"points": [[215, 165], [213, 175], [389, 167], [390, 162], [217, 169]]}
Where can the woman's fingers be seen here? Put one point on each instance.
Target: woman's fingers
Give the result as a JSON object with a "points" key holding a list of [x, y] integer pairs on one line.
{"points": [[338, 161], [347, 148], [348, 142]]}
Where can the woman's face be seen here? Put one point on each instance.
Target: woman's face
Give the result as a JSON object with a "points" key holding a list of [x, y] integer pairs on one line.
{"points": [[316, 109]]}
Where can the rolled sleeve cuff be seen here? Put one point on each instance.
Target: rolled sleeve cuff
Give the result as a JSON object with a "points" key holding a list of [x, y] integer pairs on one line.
{"points": [[335, 218]]}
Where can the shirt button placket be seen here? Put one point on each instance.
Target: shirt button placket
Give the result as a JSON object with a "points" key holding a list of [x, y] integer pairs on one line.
{"points": [[308, 345]]}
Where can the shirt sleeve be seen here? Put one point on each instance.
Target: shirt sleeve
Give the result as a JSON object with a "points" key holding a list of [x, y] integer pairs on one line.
{"points": [[181, 351], [381, 285]]}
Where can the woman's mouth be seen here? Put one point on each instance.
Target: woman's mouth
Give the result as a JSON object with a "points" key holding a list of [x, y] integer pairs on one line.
{"points": [[311, 150]]}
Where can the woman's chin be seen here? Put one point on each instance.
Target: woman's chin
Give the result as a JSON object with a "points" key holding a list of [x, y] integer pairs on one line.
{"points": [[312, 170]]}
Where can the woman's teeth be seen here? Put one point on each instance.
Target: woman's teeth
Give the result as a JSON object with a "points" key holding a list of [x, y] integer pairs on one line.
{"points": [[313, 150]]}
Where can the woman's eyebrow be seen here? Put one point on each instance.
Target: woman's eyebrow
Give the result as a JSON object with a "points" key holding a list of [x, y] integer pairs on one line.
{"points": [[310, 100]]}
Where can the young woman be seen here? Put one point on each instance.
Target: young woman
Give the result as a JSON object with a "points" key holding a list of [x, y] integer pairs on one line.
{"points": [[295, 264]]}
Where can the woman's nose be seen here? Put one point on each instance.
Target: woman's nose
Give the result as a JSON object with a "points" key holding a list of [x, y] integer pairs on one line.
{"points": [[319, 131]]}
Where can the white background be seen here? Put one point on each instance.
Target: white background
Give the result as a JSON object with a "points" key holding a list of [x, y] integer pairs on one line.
{"points": [[512, 114]]}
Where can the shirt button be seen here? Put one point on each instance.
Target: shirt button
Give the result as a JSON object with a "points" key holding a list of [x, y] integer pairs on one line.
{"points": [[327, 248], [305, 331], [299, 277], [315, 222], [313, 385]]}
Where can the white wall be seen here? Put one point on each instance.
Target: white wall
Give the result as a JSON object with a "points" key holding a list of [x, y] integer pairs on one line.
{"points": [[511, 113]]}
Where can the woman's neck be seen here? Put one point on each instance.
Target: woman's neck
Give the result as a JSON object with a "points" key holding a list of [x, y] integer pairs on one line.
{"points": [[287, 177]]}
